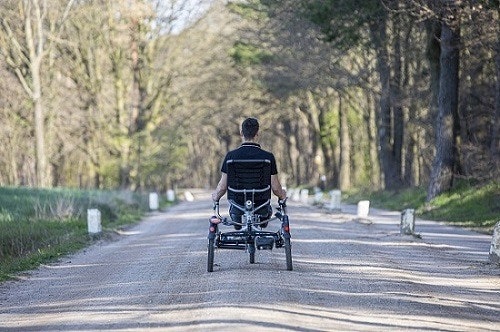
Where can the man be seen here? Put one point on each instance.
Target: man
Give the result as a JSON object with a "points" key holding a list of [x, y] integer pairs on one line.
{"points": [[249, 149]]}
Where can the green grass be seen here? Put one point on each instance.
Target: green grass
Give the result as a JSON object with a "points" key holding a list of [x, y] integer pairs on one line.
{"points": [[476, 207], [40, 225], [469, 206]]}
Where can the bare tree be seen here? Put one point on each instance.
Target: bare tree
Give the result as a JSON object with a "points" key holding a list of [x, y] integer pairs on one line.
{"points": [[25, 45], [15, 150]]}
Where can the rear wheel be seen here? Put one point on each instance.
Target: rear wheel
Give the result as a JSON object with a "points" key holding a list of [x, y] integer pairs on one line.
{"points": [[288, 254], [251, 251], [211, 253]]}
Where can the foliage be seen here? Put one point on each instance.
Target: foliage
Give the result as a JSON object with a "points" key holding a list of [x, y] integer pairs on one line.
{"points": [[129, 103], [251, 10], [343, 22], [245, 54]]}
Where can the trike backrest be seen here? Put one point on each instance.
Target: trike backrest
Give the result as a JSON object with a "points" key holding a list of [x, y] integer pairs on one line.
{"points": [[250, 175]]}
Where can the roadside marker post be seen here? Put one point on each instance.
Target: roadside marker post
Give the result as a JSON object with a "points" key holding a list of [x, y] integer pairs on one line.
{"points": [[304, 196], [407, 225], [363, 209], [495, 245], [94, 221], [153, 201], [170, 195], [335, 198]]}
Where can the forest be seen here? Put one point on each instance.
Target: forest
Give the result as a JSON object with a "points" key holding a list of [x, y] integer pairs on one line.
{"points": [[149, 94]]}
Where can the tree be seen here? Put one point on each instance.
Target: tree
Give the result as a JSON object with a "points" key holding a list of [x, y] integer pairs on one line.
{"points": [[495, 141], [445, 158], [344, 24], [25, 45], [131, 99], [15, 148]]}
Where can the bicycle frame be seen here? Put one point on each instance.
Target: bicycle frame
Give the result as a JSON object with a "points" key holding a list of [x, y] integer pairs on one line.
{"points": [[250, 238]]}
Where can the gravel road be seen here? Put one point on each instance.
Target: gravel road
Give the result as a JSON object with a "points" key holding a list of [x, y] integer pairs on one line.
{"points": [[349, 274]]}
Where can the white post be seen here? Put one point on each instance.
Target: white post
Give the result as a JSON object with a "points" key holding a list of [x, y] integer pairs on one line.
{"points": [[495, 245], [318, 197], [94, 221], [170, 195], [363, 209], [304, 196], [335, 198], [153, 201], [407, 225], [188, 196]]}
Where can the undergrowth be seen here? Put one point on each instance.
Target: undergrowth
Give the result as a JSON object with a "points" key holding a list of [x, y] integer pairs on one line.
{"points": [[39, 225]]}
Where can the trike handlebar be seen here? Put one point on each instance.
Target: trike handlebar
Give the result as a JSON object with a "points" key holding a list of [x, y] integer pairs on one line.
{"points": [[228, 221]]}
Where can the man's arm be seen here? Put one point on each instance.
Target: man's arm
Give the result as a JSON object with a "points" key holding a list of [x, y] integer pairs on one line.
{"points": [[221, 188], [276, 187]]}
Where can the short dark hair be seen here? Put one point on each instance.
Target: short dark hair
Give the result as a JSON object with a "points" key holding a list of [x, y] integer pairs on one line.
{"points": [[250, 128]]}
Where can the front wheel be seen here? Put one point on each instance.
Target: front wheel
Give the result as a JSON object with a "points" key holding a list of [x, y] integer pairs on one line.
{"points": [[288, 254], [211, 253]]}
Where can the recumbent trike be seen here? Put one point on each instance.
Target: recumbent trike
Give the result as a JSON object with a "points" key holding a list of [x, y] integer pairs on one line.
{"points": [[249, 196]]}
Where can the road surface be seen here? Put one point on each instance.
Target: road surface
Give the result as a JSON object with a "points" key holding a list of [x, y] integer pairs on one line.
{"points": [[349, 274]]}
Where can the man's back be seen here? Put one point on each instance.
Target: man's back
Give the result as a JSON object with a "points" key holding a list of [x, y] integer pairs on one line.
{"points": [[250, 150], [249, 179]]}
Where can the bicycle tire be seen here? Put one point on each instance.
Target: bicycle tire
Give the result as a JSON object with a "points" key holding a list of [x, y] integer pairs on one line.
{"points": [[288, 254], [251, 252], [211, 253]]}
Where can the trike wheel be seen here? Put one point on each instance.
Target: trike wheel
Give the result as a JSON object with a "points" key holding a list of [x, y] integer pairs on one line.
{"points": [[251, 251], [288, 254], [211, 253]]}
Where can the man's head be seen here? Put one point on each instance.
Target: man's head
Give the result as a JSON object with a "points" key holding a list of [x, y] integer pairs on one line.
{"points": [[249, 128]]}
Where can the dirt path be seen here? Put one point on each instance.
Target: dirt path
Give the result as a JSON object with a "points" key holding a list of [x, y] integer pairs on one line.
{"points": [[348, 275]]}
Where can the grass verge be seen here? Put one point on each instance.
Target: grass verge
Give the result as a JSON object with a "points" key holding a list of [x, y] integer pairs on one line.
{"points": [[38, 226], [475, 207]]}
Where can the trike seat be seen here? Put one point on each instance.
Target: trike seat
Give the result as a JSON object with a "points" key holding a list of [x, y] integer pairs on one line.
{"points": [[249, 180]]}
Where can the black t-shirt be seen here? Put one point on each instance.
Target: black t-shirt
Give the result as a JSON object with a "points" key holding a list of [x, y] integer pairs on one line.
{"points": [[250, 150]]}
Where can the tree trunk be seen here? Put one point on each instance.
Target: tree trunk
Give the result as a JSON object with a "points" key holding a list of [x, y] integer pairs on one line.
{"points": [[314, 115], [397, 103], [371, 124], [121, 122], [39, 122], [387, 160], [345, 148], [291, 147], [443, 165], [35, 42], [433, 53], [301, 152], [327, 152], [495, 135]]}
